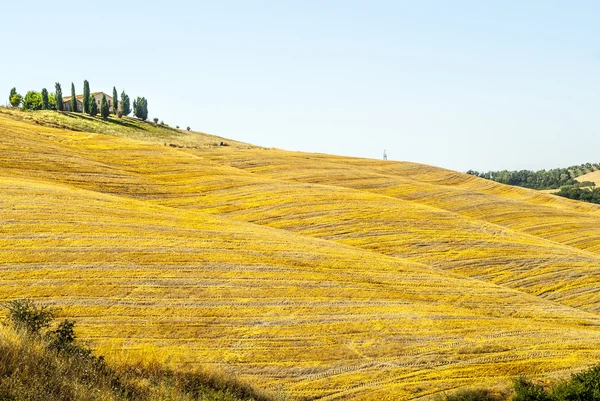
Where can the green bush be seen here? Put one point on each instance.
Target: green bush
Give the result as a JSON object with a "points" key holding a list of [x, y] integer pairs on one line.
{"points": [[582, 386], [32, 101], [24, 314], [526, 390]]}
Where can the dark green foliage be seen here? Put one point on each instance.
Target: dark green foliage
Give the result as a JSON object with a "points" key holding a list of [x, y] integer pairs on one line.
{"points": [[32, 101], [526, 390], [155, 120], [13, 92], [15, 100], [189, 129], [125, 104], [104, 110], [45, 102], [586, 184], [115, 104], [581, 194], [59, 98], [24, 314], [86, 97], [543, 179], [582, 386], [140, 108], [73, 98], [63, 336], [471, 395], [93, 106]]}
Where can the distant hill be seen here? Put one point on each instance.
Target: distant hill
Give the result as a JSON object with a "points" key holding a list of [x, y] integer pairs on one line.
{"points": [[593, 176], [575, 182], [320, 276]]}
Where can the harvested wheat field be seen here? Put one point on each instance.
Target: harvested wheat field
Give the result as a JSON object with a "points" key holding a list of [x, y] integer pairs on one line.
{"points": [[329, 277]]}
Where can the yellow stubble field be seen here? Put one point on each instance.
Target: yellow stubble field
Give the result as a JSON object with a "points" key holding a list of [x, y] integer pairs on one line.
{"points": [[293, 270]]}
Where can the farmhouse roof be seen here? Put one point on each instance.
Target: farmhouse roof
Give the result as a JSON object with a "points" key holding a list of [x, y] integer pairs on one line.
{"points": [[80, 97]]}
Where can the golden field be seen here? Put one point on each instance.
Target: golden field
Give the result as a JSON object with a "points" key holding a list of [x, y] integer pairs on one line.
{"points": [[330, 277]]}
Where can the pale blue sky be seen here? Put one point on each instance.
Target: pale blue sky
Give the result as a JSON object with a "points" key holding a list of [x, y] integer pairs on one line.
{"points": [[458, 84]]}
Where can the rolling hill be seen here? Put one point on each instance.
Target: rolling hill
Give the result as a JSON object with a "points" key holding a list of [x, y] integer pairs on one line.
{"points": [[330, 277]]}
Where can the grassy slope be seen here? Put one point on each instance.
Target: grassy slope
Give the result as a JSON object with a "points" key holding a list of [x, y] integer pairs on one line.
{"points": [[345, 293], [594, 176], [31, 370]]}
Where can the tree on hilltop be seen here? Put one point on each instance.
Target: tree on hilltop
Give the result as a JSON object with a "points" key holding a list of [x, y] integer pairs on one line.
{"points": [[104, 110], [115, 104], [140, 108], [45, 105], [125, 104], [73, 98], [32, 101], [59, 99], [86, 97], [93, 106], [51, 101], [15, 99]]}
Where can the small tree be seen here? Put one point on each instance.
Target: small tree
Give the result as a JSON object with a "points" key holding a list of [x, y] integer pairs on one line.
{"points": [[24, 314], [63, 337], [115, 104], [140, 108], [104, 110], [51, 101], [155, 120], [45, 105], [32, 101], [93, 106], [15, 100], [59, 99], [189, 129], [73, 98], [13, 92], [86, 97], [120, 111], [125, 104]]}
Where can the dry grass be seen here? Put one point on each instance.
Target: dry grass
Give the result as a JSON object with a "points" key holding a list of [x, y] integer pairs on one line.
{"points": [[594, 177], [31, 370], [333, 277]]}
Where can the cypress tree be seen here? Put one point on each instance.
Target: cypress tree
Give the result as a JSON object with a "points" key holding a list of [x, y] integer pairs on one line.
{"points": [[144, 109], [115, 104], [104, 110], [140, 108], [13, 92], [45, 99], [125, 104], [59, 100], [86, 97], [93, 106], [73, 99]]}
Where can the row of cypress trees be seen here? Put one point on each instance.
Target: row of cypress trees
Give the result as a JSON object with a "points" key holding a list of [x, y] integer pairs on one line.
{"points": [[45, 101]]}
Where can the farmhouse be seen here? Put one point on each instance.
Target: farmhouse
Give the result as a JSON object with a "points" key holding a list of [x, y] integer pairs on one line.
{"points": [[79, 99]]}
